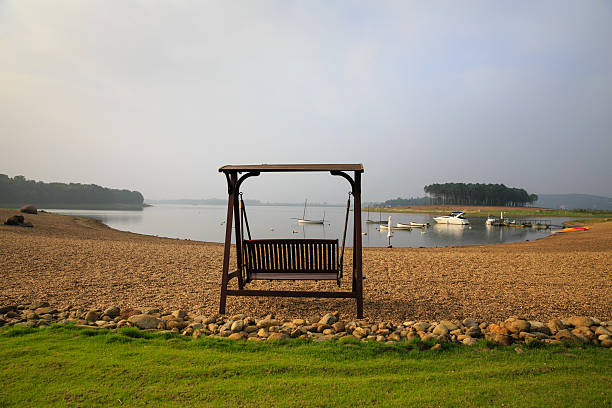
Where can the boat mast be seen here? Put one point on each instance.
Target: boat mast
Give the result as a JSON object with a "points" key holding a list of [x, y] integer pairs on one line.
{"points": [[304, 216]]}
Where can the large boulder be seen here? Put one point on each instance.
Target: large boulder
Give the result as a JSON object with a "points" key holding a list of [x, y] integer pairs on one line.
{"points": [[17, 220], [29, 209]]}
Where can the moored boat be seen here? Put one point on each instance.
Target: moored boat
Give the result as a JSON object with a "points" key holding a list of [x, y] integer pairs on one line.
{"points": [[456, 217]]}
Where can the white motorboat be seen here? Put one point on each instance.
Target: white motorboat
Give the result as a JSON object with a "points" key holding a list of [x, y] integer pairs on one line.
{"points": [[490, 220], [456, 217]]}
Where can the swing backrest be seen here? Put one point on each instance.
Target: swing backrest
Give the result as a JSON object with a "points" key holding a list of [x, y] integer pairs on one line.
{"points": [[291, 259]]}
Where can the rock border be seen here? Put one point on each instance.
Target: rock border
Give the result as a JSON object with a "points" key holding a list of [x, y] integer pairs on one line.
{"points": [[575, 329]]}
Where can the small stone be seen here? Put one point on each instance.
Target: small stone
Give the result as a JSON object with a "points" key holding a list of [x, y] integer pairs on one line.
{"points": [[539, 327], [606, 343], [31, 315], [421, 326], [359, 332], [175, 324], [519, 350], [328, 319], [555, 325], [268, 323], [436, 346], [602, 330], [449, 325], [212, 327], [517, 325], [92, 316], [578, 321], [179, 314], [144, 321], [474, 331], [469, 322], [237, 326], [440, 330], [468, 341], [299, 322], [263, 333], [208, 320], [6, 309], [45, 310], [501, 339], [425, 336], [395, 336], [112, 312], [235, 336], [497, 329], [565, 335], [339, 326]]}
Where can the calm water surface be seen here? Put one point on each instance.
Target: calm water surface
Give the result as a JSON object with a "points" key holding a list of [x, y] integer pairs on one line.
{"points": [[207, 223]]}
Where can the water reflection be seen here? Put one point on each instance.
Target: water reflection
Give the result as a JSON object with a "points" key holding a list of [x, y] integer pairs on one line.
{"points": [[451, 230]]}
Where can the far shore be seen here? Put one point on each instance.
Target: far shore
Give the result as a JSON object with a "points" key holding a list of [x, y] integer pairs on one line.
{"points": [[105, 207], [74, 261], [484, 211]]}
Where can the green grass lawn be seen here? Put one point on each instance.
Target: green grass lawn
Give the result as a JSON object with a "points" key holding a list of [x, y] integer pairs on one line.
{"points": [[69, 366]]}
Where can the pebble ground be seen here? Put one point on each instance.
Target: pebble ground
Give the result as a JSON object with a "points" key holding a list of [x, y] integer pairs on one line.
{"points": [[71, 261]]}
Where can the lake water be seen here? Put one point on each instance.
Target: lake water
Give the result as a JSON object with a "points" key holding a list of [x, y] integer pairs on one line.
{"points": [[207, 223]]}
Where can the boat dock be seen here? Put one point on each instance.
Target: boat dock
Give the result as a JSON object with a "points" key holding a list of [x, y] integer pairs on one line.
{"points": [[506, 222]]}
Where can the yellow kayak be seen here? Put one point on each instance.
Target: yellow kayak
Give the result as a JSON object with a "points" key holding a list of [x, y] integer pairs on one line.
{"points": [[569, 229]]}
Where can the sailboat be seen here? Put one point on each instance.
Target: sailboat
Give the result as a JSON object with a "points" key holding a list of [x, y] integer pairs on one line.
{"points": [[380, 221], [303, 220]]}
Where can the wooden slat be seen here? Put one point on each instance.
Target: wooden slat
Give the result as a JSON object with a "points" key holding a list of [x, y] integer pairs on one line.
{"points": [[317, 275]]}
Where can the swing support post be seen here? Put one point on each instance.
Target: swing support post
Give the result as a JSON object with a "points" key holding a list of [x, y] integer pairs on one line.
{"points": [[286, 247]]}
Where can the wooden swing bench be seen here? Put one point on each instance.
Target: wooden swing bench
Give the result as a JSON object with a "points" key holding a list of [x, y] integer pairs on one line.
{"points": [[289, 259], [292, 259]]}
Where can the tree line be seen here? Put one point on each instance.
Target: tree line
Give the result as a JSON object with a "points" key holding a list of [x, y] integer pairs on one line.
{"points": [[19, 190], [479, 194]]}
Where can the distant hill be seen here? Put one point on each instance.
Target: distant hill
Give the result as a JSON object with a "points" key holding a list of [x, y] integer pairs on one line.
{"points": [[17, 191], [570, 201]]}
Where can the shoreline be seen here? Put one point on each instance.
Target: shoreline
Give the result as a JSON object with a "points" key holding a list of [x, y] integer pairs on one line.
{"points": [[73, 261]]}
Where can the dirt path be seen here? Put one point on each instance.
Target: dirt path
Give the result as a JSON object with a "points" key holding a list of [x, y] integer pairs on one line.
{"points": [[72, 261]]}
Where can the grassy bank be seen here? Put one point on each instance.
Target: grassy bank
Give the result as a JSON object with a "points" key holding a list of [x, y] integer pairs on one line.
{"points": [[65, 365]]}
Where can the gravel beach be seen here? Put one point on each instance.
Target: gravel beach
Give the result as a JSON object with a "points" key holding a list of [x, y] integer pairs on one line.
{"points": [[71, 261]]}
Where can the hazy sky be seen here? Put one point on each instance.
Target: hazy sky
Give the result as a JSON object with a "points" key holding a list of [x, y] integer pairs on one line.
{"points": [[156, 96]]}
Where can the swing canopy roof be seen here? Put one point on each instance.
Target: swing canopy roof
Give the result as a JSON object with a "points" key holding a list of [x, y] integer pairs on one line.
{"points": [[271, 168]]}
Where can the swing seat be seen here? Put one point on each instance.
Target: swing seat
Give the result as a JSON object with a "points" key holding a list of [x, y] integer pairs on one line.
{"points": [[292, 259]]}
